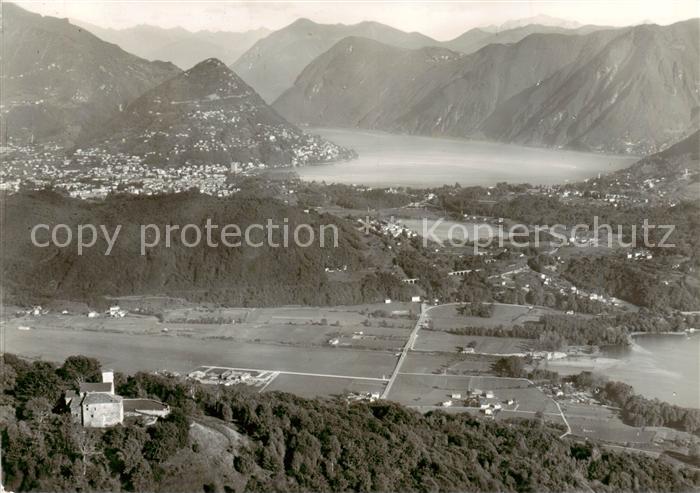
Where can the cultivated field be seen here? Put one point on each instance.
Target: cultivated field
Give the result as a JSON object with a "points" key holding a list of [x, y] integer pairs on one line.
{"points": [[434, 340], [317, 386], [450, 363], [446, 317], [432, 390], [298, 341], [601, 423]]}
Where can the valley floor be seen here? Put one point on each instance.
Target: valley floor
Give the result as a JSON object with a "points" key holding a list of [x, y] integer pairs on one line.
{"points": [[328, 352]]}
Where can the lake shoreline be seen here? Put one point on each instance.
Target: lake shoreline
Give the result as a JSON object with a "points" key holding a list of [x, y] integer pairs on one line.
{"points": [[657, 365], [389, 160]]}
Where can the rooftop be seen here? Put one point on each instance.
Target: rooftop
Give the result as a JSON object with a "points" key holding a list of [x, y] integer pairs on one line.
{"points": [[143, 405], [101, 398]]}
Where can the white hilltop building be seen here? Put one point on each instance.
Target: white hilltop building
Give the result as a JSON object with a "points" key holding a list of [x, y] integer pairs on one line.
{"points": [[95, 405]]}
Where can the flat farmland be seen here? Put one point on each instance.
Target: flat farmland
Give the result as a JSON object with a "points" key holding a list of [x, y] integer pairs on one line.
{"points": [[601, 423], [451, 363], [137, 343], [343, 315], [446, 317], [318, 386], [432, 390], [307, 335], [136, 324], [435, 340]]}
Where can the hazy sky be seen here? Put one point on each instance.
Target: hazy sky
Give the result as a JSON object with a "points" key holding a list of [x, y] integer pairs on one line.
{"points": [[439, 19]]}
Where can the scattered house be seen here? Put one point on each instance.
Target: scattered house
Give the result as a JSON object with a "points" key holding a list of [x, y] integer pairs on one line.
{"points": [[489, 394], [93, 315], [488, 412], [387, 301], [363, 396], [235, 376], [456, 395], [472, 401], [415, 299], [116, 312], [447, 404], [334, 342]]}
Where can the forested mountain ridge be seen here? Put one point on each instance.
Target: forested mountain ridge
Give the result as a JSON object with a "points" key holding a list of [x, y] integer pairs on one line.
{"points": [[243, 275], [627, 90], [272, 64], [59, 79], [208, 115]]}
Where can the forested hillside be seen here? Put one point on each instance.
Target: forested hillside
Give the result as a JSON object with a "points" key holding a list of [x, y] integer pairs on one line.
{"points": [[231, 439], [59, 79], [246, 275]]}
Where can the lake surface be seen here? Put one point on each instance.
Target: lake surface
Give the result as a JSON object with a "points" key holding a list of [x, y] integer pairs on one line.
{"points": [[666, 367], [403, 160]]}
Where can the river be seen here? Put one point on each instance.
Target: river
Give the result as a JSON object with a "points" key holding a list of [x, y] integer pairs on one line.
{"points": [[403, 160]]}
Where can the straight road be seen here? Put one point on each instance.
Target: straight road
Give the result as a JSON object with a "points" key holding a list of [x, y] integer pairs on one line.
{"points": [[404, 352]]}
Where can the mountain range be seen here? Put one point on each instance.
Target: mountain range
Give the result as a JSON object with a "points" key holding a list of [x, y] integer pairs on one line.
{"points": [[633, 90], [638, 94], [272, 64], [540, 20], [59, 79], [207, 115], [178, 45], [555, 84], [475, 39]]}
